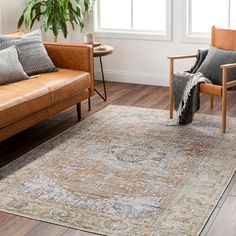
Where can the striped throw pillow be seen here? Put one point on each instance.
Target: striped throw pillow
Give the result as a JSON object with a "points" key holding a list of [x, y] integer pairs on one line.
{"points": [[32, 53]]}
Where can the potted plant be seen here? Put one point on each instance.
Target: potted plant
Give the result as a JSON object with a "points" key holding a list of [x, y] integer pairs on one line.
{"points": [[89, 38], [55, 14]]}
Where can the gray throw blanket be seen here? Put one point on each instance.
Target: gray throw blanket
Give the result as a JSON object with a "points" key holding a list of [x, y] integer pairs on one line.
{"points": [[186, 90]]}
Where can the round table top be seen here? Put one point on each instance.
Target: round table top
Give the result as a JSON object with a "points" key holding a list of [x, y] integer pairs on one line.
{"points": [[96, 44], [100, 53]]}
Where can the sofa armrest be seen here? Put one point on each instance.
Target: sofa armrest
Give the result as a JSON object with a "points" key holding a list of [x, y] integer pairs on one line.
{"points": [[72, 56]]}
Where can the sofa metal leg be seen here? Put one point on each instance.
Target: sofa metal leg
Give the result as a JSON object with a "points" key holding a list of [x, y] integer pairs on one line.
{"points": [[89, 104], [78, 106], [212, 102]]}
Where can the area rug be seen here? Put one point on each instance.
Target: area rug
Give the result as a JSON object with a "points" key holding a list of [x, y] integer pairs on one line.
{"points": [[125, 171]]}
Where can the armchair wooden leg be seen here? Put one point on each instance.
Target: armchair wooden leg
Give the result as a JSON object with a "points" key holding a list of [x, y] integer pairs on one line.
{"points": [[224, 112], [224, 100], [78, 106], [212, 102], [171, 101]]}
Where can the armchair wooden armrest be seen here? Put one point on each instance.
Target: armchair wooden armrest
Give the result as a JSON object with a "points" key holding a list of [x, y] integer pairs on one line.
{"points": [[226, 85], [225, 69], [182, 57], [72, 56], [228, 66]]}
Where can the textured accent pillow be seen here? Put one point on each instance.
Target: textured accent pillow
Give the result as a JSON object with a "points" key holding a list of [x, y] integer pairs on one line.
{"points": [[211, 67], [10, 68], [33, 55]]}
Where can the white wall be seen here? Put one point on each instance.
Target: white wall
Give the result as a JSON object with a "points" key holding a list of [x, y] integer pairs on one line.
{"points": [[1, 15], [10, 12], [145, 62], [133, 61]]}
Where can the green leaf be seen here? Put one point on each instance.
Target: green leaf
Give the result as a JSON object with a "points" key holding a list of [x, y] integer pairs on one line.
{"points": [[20, 22], [36, 17], [55, 14]]}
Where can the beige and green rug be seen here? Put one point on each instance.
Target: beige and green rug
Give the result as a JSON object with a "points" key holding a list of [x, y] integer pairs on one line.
{"points": [[125, 171]]}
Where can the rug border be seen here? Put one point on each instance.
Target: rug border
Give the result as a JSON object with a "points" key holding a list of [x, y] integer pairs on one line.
{"points": [[79, 123], [51, 222], [102, 234], [212, 211]]}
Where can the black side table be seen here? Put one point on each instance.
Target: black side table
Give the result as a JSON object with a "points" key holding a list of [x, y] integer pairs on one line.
{"points": [[101, 53]]}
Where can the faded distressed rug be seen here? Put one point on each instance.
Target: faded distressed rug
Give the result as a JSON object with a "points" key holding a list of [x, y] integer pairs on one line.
{"points": [[125, 171]]}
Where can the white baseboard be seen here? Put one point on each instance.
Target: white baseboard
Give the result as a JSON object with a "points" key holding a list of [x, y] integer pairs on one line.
{"points": [[133, 77]]}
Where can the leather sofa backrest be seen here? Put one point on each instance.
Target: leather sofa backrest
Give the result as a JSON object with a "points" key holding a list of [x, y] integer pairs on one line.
{"points": [[17, 33]]}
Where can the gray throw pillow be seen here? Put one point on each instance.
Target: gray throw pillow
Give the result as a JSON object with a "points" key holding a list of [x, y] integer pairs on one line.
{"points": [[10, 68], [201, 56], [33, 55], [211, 67]]}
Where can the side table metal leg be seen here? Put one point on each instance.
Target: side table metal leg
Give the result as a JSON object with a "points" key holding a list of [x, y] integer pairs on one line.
{"points": [[104, 83], [103, 80]]}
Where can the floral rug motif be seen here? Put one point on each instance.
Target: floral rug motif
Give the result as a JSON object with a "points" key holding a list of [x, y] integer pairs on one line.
{"points": [[125, 171]]}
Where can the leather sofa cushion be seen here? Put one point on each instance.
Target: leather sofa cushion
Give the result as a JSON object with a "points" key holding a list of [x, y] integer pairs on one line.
{"points": [[64, 83], [21, 99]]}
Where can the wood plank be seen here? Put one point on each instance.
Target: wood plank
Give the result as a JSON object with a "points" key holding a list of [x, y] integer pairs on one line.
{"points": [[18, 226], [225, 222], [210, 222], [5, 218], [74, 232], [43, 229], [233, 190], [227, 191]]}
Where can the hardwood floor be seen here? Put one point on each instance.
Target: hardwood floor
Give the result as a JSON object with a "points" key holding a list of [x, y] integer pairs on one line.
{"points": [[223, 219]]}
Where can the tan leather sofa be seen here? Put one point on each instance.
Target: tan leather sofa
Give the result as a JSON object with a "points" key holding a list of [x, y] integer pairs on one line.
{"points": [[26, 103]]}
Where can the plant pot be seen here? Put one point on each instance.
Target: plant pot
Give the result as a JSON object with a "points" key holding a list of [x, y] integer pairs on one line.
{"points": [[90, 39]]}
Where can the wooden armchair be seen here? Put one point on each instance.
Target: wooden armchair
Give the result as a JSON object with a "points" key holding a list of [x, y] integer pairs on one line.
{"points": [[220, 38]]}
